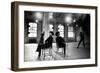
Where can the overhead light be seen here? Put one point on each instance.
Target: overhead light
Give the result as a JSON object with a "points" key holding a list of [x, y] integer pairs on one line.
{"points": [[38, 15], [50, 15], [36, 21], [76, 25], [68, 19], [74, 20]]}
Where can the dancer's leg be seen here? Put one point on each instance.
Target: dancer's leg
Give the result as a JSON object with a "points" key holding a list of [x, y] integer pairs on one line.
{"points": [[79, 43]]}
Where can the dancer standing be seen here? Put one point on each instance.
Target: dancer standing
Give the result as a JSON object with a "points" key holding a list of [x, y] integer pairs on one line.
{"points": [[81, 39]]}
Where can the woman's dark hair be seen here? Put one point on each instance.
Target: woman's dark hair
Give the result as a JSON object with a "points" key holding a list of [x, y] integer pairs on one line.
{"points": [[51, 32], [57, 33], [42, 34]]}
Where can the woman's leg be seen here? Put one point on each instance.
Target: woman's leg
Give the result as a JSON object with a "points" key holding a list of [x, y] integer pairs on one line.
{"points": [[39, 54], [64, 50]]}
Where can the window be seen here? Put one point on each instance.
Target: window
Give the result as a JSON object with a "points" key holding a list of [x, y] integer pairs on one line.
{"points": [[61, 30], [70, 32], [32, 30], [50, 27]]}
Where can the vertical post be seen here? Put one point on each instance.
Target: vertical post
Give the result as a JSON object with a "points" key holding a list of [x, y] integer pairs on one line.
{"points": [[45, 25], [66, 32], [55, 30], [66, 38]]}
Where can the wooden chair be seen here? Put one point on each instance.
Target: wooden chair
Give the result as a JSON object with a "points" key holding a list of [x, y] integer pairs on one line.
{"points": [[63, 46]]}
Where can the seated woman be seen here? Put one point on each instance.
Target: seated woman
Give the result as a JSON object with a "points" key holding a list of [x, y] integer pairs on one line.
{"points": [[49, 41], [60, 42]]}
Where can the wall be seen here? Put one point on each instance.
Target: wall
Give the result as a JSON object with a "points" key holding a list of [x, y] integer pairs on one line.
{"points": [[5, 38]]}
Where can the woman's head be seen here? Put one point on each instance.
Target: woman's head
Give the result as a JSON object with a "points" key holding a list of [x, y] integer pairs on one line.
{"points": [[42, 34], [57, 34], [51, 33]]}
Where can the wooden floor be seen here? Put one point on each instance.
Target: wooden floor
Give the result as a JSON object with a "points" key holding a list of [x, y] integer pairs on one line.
{"points": [[72, 53]]}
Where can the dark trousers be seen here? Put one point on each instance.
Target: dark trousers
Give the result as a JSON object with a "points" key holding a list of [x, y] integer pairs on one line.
{"points": [[39, 53], [82, 40]]}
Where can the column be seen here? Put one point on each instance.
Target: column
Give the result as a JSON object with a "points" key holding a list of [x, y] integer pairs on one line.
{"points": [[45, 25]]}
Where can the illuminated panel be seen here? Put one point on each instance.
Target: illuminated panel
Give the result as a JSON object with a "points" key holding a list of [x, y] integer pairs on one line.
{"points": [[61, 30], [50, 27], [32, 30], [70, 32]]}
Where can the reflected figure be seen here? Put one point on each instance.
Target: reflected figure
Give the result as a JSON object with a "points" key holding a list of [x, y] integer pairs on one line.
{"points": [[40, 45], [81, 39], [60, 42]]}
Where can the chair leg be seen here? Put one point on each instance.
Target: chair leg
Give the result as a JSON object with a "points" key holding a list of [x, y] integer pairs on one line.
{"points": [[64, 51], [41, 53], [44, 54], [57, 49], [50, 51]]}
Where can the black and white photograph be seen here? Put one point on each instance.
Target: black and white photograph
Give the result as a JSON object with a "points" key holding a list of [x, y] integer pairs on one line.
{"points": [[51, 36], [56, 36]]}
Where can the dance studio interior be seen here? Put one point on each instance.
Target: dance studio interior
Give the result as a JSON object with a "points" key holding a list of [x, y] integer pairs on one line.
{"points": [[69, 25]]}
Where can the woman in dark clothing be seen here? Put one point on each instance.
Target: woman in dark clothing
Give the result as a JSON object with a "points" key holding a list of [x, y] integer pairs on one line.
{"points": [[60, 42], [49, 41], [40, 45]]}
